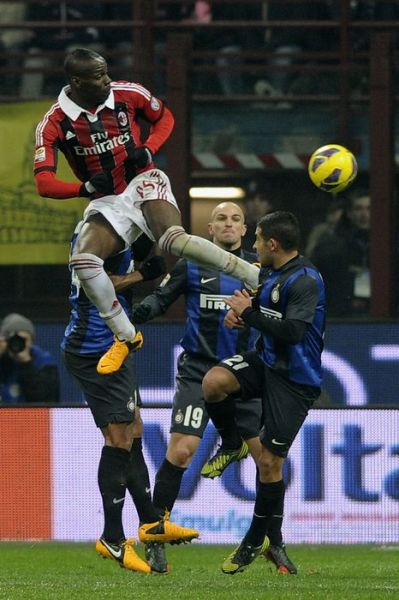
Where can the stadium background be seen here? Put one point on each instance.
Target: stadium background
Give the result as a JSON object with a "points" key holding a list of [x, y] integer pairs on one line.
{"points": [[343, 471]]}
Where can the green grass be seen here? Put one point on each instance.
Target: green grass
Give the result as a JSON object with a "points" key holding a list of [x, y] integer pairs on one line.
{"points": [[67, 571]]}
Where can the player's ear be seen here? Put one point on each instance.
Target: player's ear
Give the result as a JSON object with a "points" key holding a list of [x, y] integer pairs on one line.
{"points": [[75, 81], [273, 244]]}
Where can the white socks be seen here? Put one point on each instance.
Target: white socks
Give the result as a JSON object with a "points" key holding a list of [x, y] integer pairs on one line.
{"points": [[203, 252], [98, 287]]}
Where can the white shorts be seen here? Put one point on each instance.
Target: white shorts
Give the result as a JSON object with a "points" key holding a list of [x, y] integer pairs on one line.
{"points": [[123, 211]]}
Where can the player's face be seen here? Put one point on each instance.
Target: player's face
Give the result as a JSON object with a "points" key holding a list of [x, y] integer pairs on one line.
{"points": [[263, 248], [227, 226], [92, 82]]}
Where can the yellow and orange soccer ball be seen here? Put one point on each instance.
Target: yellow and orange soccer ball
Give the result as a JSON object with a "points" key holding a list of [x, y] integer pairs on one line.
{"points": [[332, 168]]}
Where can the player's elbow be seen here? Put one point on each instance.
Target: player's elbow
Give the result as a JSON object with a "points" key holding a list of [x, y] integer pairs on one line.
{"points": [[296, 331], [43, 193], [169, 117], [42, 187]]}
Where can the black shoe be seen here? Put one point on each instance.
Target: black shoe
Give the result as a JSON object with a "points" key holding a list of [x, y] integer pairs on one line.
{"points": [[156, 558], [278, 555], [243, 556]]}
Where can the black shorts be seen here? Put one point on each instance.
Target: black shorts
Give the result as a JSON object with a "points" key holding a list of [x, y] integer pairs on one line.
{"points": [[189, 415], [111, 398], [285, 404]]}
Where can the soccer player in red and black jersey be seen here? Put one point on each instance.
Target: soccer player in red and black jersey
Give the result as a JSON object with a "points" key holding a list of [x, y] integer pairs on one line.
{"points": [[94, 123]]}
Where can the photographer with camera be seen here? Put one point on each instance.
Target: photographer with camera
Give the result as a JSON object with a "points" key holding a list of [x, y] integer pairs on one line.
{"points": [[27, 372]]}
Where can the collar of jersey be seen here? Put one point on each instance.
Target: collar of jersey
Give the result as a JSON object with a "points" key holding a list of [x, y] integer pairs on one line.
{"points": [[73, 110], [288, 265]]}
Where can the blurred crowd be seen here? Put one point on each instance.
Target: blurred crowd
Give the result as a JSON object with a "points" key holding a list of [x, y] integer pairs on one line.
{"points": [[31, 57]]}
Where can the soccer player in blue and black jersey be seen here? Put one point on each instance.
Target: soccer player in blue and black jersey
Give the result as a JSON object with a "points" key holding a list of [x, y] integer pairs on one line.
{"points": [[113, 401], [206, 341], [284, 370]]}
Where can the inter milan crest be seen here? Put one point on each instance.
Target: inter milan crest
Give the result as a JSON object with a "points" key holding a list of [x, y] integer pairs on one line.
{"points": [[132, 403], [122, 118], [179, 417], [275, 295]]}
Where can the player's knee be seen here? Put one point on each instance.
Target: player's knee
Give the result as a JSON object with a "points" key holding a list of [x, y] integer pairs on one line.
{"points": [[86, 265], [270, 465], [138, 426], [182, 455], [214, 385]]}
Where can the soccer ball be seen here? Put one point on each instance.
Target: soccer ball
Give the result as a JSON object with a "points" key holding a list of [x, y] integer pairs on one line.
{"points": [[332, 168]]}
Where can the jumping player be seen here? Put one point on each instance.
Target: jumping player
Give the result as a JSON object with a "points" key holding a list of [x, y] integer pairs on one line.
{"points": [[95, 124]]}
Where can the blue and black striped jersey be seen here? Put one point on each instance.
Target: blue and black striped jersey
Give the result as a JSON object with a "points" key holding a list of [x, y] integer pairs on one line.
{"points": [[204, 289], [294, 292]]}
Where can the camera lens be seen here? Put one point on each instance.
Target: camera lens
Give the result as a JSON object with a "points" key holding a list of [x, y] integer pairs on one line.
{"points": [[16, 344]]}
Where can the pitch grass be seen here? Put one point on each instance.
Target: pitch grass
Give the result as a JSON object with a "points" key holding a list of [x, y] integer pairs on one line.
{"points": [[68, 571]]}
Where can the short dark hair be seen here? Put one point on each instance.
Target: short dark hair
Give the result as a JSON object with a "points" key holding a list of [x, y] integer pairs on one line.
{"points": [[283, 226], [77, 57]]}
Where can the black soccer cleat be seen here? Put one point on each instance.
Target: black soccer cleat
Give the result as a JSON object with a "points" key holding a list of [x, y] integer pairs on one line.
{"points": [[156, 558], [277, 554]]}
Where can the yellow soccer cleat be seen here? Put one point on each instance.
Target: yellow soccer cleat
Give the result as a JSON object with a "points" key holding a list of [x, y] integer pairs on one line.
{"points": [[243, 556], [112, 360], [164, 531], [215, 466], [124, 554]]}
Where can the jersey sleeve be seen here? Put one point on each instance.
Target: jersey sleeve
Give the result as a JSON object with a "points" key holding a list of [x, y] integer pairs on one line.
{"points": [[49, 186], [303, 297], [46, 147], [156, 113], [45, 164]]}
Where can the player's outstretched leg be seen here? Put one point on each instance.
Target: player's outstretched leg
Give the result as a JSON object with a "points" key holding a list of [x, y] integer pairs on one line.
{"points": [[215, 466], [124, 554], [205, 253], [243, 556], [164, 531], [277, 554]]}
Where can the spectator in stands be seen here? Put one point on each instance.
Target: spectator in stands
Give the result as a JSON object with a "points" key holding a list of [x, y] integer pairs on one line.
{"points": [[12, 41], [326, 228], [287, 44], [343, 260], [258, 203], [28, 373], [47, 41], [229, 42]]}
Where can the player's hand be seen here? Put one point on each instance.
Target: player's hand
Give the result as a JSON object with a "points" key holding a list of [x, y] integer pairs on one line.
{"points": [[239, 301], [141, 157], [140, 313], [231, 321], [153, 267], [101, 183]]}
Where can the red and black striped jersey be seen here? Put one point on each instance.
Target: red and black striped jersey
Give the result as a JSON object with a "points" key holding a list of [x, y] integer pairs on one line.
{"points": [[102, 139]]}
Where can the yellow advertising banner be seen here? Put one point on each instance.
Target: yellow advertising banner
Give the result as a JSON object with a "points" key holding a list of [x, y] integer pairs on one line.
{"points": [[33, 230]]}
